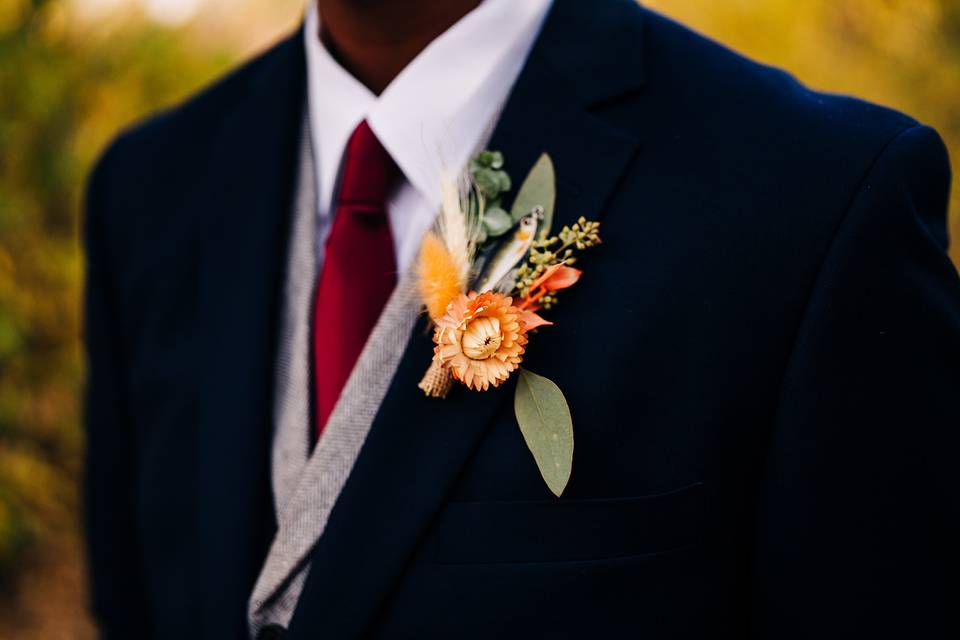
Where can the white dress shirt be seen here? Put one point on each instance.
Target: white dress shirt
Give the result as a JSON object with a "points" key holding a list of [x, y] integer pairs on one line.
{"points": [[431, 119]]}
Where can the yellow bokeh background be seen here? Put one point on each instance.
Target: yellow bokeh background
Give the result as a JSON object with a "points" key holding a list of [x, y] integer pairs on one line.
{"points": [[75, 72]]}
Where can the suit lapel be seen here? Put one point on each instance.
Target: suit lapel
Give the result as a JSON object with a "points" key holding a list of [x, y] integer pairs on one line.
{"points": [[417, 446], [249, 187]]}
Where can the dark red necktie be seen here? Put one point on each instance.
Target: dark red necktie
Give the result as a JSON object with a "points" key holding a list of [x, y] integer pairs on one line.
{"points": [[359, 268]]}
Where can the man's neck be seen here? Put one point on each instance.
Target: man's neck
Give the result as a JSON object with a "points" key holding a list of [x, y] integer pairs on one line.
{"points": [[375, 39]]}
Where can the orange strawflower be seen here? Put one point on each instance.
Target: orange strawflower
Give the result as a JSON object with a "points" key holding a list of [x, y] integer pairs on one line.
{"points": [[480, 339]]}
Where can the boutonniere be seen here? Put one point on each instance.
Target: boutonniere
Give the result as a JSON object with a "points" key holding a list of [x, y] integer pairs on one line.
{"points": [[486, 276]]}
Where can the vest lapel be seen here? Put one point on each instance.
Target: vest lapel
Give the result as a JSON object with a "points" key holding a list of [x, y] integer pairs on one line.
{"points": [[304, 516], [417, 446], [292, 407]]}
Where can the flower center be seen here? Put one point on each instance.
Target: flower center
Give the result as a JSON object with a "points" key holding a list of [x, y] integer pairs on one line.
{"points": [[481, 338]]}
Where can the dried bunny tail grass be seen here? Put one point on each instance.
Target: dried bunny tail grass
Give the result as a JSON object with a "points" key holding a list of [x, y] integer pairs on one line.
{"points": [[440, 276], [446, 254], [458, 226]]}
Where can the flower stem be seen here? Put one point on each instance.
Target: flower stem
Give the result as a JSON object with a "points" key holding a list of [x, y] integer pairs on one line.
{"points": [[541, 290]]}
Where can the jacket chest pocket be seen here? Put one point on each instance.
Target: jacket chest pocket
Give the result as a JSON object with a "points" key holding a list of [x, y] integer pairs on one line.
{"points": [[569, 530]]}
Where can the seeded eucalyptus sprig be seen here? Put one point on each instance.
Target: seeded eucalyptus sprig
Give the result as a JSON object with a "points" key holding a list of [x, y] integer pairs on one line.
{"points": [[491, 182], [548, 251]]}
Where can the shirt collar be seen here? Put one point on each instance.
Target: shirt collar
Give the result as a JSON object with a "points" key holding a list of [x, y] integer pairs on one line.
{"points": [[437, 112]]}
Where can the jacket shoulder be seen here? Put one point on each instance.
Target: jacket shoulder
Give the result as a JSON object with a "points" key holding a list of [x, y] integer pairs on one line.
{"points": [[772, 143], [143, 183], [770, 157], [703, 75], [174, 140]]}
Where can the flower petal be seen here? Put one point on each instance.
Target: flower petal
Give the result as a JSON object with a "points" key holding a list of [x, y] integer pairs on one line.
{"points": [[532, 321], [562, 278], [546, 275]]}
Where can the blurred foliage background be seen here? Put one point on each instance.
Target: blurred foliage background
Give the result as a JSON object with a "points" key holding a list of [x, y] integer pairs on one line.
{"points": [[74, 72]]}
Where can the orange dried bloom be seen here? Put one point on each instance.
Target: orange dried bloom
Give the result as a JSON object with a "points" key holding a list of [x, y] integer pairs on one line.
{"points": [[480, 339]]}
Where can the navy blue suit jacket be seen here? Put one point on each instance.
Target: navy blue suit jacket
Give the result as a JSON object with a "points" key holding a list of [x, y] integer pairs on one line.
{"points": [[762, 360]]}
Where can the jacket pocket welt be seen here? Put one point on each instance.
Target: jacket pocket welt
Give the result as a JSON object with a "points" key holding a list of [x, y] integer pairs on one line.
{"points": [[568, 530]]}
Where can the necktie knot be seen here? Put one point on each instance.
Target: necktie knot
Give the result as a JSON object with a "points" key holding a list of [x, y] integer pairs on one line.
{"points": [[368, 173]]}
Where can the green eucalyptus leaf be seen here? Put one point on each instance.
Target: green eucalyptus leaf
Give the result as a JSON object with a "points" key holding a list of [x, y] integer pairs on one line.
{"points": [[497, 221], [547, 428], [503, 181], [487, 182], [538, 189], [492, 159]]}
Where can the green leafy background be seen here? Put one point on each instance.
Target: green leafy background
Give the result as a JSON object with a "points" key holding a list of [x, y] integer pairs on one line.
{"points": [[74, 72]]}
